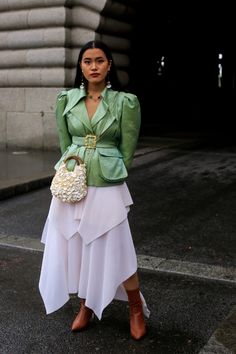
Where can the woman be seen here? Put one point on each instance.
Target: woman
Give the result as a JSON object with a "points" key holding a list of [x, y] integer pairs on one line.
{"points": [[88, 245]]}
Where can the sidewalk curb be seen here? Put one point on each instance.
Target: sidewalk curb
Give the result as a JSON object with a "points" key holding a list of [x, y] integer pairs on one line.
{"points": [[223, 340], [25, 186], [145, 262]]}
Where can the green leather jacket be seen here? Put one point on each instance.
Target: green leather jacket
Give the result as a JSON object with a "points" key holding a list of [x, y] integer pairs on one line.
{"points": [[106, 142]]}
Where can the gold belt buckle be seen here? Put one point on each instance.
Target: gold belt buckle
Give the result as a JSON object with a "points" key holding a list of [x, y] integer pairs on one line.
{"points": [[90, 141]]}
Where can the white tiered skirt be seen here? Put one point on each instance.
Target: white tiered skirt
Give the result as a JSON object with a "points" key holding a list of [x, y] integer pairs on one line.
{"points": [[89, 250]]}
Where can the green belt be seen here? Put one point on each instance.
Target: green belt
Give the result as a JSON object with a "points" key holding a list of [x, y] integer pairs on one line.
{"points": [[91, 142]]}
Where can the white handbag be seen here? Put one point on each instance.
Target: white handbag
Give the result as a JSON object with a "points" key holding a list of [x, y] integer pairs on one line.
{"points": [[70, 186]]}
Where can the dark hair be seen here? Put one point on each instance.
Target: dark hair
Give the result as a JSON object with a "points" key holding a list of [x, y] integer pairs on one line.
{"points": [[112, 73]]}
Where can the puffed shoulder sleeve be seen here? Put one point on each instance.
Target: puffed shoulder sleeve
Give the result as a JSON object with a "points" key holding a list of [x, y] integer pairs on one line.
{"points": [[130, 127], [64, 135]]}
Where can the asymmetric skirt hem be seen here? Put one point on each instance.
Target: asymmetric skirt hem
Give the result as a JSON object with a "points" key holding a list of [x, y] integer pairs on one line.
{"points": [[89, 250]]}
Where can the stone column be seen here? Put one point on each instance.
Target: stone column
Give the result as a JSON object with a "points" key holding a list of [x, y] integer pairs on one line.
{"points": [[39, 46]]}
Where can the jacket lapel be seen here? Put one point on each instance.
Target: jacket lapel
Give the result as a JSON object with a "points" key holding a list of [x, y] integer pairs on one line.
{"points": [[100, 113], [105, 111], [80, 111], [73, 97]]}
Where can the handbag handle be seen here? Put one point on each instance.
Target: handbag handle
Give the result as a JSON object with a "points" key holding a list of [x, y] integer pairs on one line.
{"points": [[76, 158]]}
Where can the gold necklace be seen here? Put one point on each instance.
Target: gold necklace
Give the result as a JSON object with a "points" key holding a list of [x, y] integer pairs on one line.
{"points": [[95, 99]]}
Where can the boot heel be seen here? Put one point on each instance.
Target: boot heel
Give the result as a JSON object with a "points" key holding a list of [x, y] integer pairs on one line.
{"points": [[138, 327], [83, 318]]}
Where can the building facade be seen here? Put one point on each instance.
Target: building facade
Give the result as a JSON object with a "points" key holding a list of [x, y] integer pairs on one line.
{"points": [[39, 46], [182, 67]]}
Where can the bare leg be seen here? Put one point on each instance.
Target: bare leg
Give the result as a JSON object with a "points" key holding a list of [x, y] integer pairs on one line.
{"points": [[132, 282]]}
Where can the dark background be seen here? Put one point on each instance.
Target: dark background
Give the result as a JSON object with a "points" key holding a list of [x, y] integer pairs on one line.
{"points": [[184, 95]]}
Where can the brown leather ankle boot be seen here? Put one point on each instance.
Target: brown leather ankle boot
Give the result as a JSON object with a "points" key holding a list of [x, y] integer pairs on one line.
{"points": [[82, 319], [137, 324]]}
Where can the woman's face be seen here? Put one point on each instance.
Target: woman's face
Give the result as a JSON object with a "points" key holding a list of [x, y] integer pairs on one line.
{"points": [[95, 66]]}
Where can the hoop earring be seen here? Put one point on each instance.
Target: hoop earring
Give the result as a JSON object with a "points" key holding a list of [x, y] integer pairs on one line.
{"points": [[82, 82], [108, 81]]}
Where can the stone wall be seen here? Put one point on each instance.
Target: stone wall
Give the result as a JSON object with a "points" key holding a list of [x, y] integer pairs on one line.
{"points": [[39, 45], [27, 118]]}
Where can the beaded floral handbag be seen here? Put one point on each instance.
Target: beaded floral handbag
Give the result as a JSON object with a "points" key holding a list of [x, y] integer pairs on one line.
{"points": [[70, 186]]}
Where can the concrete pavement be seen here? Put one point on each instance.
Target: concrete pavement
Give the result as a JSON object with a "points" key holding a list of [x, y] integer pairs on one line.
{"points": [[184, 313]]}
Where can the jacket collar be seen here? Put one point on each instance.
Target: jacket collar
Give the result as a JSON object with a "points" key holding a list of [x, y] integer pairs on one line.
{"points": [[76, 94], [108, 95], [73, 96]]}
